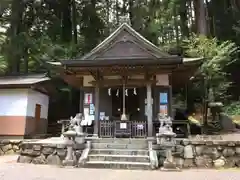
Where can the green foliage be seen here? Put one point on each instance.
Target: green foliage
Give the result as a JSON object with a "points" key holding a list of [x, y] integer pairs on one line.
{"points": [[3, 65], [217, 56], [233, 108], [3, 62], [49, 30]]}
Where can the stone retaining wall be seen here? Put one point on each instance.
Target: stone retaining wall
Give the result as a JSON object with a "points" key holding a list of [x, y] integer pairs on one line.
{"points": [[9, 147], [186, 154], [205, 154], [40, 153]]}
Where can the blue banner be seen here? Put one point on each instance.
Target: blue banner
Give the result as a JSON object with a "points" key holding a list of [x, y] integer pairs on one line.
{"points": [[163, 98]]}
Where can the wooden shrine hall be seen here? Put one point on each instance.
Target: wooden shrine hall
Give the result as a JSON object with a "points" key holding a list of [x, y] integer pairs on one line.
{"points": [[125, 82]]}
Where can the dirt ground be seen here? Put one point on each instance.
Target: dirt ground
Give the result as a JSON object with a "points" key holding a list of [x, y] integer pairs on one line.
{"points": [[10, 170]]}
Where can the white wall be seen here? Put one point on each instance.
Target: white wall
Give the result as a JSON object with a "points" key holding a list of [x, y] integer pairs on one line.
{"points": [[35, 97], [13, 102], [22, 102]]}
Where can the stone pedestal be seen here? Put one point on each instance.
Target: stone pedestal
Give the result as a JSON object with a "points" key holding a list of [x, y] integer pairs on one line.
{"points": [[80, 138], [70, 159], [169, 164]]}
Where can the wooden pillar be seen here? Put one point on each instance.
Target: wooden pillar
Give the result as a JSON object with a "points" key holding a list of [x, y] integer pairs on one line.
{"points": [[170, 103], [96, 118], [149, 110], [81, 96]]}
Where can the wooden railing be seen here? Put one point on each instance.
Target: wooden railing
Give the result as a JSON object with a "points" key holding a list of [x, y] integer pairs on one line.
{"points": [[139, 129], [106, 129], [134, 129]]}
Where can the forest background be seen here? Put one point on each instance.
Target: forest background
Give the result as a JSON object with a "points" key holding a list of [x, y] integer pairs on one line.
{"points": [[33, 32]]}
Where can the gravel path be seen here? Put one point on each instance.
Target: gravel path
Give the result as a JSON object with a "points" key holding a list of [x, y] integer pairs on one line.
{"points": [[9, 170]]}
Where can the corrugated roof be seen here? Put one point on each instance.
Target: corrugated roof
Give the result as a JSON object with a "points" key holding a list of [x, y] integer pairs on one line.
{"points": [[23, 79]]}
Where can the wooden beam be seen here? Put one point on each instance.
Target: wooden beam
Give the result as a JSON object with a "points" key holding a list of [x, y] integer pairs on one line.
{"points": [[69, 72], [124, 69], [73, 80], [120, 82], [128, 73]]}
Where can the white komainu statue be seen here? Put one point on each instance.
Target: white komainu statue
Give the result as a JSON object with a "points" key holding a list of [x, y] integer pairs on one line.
{"points": [[75, 123], [165, 123]]}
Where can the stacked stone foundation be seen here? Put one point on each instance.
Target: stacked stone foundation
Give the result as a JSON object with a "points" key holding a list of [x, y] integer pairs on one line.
{"points": [[204, 154], [186, 153], [8, 147], [52, 154]]}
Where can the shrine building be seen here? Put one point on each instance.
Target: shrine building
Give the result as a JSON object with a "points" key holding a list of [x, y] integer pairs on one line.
{"points": [[125, 82]]}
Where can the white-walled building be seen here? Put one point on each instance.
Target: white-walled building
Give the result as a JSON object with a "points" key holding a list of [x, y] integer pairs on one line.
{"points": [[23, 105]]}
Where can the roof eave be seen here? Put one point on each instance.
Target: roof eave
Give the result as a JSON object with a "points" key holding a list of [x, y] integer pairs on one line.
{"points": [[190, 61], [112, 62], [54, 63]]}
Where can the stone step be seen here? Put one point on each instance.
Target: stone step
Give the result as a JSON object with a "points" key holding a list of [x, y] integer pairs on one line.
{"points": [[120, 151], [118, 158], [119, 146], [118, 165], [120, 140]]}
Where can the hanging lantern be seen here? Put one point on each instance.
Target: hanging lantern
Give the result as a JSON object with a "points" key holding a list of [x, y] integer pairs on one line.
{"points": [[134, 91], [126, 92], [109, 91], [117, 94]]}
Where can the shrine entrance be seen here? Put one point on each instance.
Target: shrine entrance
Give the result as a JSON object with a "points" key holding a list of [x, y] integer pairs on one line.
{"points": [[132, 104], [125, 101]]}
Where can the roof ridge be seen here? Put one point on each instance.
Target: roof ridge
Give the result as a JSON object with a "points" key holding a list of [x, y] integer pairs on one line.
{"points": [[145, 39], [130, 30]]}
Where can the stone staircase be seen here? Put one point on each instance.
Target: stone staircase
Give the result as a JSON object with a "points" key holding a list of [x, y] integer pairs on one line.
{"points": [[119, 154]]}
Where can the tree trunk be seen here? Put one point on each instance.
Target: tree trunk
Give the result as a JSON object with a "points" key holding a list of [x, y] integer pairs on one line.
{"points": [[74, 22], [17, 10], [108, 30], [25, 58], [66, 21], [184, 18], [200, 14], [196, 15], [176, 28], [130, 11], [117, 13], [210, 20]]}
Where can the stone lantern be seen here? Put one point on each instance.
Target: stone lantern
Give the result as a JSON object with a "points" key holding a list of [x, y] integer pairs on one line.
{"points": [[166, 139], [73, 136], [70, 159]]}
